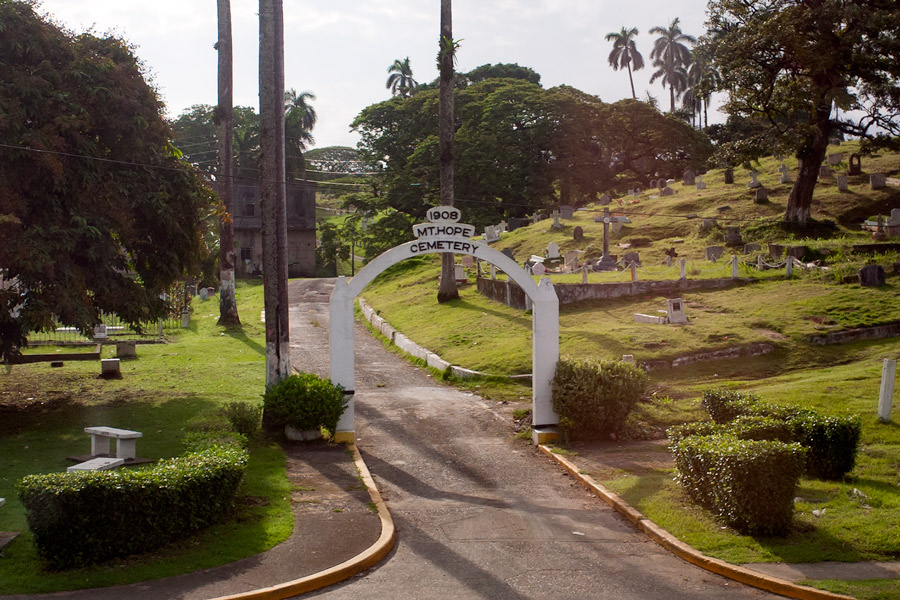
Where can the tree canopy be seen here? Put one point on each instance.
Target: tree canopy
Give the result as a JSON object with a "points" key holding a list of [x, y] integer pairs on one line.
{"points": [[792, 65], [98, 212]]}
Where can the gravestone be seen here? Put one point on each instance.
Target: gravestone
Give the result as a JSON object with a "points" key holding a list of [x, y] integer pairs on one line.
{"points": [[762, 196], [707, 225], [508, 252], [126, 349], [729, 176], [675, 311], [662, 183], [754, 182], [577, 233], [785, 174], [503, 226], [100, 332], [553, 250], [616, 224], [566, 211], [714, 253], [467, 261], [895, 217], [871, 276], [605, 199], [841, 179], [628, 358], [539, 269], [733, 236], [855, 165], [877, 181], [835, 158], [204, 294], [638, 190], [824, 171], [572, 259], [750, 248], [555, 224], [776, 251], [671, 253], [700, 185], [723, 209], [689, 178], [630, 258], [459, 273], [666, 191], [798, 252], [879, 234], [517, 223], [835, 141], [653, 183], [491, 234], [631, 192]]}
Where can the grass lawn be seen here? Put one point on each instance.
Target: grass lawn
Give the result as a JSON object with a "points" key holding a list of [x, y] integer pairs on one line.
{"points": [[44, 412]]}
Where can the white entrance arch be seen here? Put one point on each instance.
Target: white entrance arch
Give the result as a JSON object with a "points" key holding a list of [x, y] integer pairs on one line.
{"points": [[545, 324]]}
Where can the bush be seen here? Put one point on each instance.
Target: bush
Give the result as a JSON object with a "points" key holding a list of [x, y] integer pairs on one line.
{"points": [[748, 484], [304, 401], [725, 405], [243, 416], [832, 443], [744, 428], [89, 516], [594, 399]]}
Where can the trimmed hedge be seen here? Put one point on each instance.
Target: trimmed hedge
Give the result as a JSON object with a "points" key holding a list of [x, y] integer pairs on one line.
{"points": [[90, 516], [748, 484], [594, 399], [832, 442], [744, 427]]}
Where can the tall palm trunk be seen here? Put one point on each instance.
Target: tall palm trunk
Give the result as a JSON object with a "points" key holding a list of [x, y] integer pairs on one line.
{"points": [[448, 289], [272, 189], [631, 80], [228, 312]]}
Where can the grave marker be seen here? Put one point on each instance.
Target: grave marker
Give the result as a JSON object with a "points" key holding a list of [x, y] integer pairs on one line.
{"points": [[886, 397], [785, 174], [871, 276], [714, 253], [754, 182], [841, 182], [855, 165], [824, 171], [877, 181], [729, 176], [606, 263], [578, 233], [689, 178], [762, 196], [675, 311], [700, 185]]}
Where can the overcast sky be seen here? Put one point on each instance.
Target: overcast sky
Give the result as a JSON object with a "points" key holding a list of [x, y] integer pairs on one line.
{"points": [[340, 49]]}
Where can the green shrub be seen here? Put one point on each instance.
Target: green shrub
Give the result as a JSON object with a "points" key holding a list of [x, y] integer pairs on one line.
{"points": [[208, 421], [699, 428], [594, 399], [303, 401], [197, 441], [243, 416], [832, 443], [745, 427], [725, 405], [89, 516], [748, 484]]}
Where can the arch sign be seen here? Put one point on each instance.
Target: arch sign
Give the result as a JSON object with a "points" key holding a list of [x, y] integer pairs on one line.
{"points": [[444, 233]]}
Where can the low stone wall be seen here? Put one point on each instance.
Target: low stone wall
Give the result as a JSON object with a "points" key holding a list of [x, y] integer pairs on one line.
{"points": [[853, 335], [510, 294]]}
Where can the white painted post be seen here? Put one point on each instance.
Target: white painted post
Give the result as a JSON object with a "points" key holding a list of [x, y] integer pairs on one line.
{"points": [[683, 264], [789, 266], [759, 262], [584, 273], [734, 266], [668, 260], [888, 374], [633, 272], [342, 360], [493, 272], [545, 353]]}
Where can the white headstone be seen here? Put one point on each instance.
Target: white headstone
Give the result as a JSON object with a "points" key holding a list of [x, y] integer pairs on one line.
{"points": [[100, 332], [895, 217], [700, 184], [539, 269], [555, 215], [491, 234], [886, 398], [675, 311], [754, 183], [553, 250], [785, 173], [460, 272], [503, 226]]}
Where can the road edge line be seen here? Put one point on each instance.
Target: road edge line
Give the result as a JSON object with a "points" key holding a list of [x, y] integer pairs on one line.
{"points": [[686, 552]]}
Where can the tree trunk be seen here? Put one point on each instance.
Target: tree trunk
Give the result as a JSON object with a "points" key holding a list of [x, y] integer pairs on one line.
{"points": [[272, 189], [671, 98], [228, 312], [631, 81], [810, 158], [448, 290]]}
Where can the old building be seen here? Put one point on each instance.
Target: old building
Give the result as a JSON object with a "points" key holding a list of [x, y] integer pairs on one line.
{"points": [[301, 229]]}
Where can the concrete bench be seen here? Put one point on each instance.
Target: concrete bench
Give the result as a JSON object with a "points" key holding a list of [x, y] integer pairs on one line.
{"points": [[126, 441], [97, 464]]}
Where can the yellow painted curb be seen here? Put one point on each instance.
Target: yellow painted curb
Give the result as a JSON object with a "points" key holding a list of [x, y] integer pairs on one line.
{"points": [[368, 558], [683, 551]]}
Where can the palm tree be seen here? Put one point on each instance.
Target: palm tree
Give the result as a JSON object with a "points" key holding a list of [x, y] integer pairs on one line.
{"points": [[624, 53], [669, 54], [446, 57], [702, 80], [299, 119], [400, 81]]}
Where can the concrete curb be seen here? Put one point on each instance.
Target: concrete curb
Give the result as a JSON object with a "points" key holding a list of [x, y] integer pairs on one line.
{"points": [[683, 551], [367, 559]]}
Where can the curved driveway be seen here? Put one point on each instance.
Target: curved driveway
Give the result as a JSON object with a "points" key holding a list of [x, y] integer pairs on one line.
{"points": [[478, 513]]}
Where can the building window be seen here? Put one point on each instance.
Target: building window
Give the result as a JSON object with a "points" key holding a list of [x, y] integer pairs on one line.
{"points": [[249, 208], [246, 254]]}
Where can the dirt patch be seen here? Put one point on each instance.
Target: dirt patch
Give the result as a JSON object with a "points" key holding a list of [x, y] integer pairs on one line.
{"points": [[603, 459], [772, 335]]}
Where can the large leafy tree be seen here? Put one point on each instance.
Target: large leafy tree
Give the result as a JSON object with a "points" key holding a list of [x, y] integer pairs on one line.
{"points": [[671, 57], [98, 212], [624, 53], [787, 64], [400, 78]]}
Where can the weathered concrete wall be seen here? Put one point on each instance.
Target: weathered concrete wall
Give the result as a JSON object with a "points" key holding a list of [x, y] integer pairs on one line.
{"points": [[507, 292], [852, 335]]}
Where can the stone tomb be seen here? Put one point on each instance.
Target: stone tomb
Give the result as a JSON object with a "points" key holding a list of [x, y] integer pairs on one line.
{"points": [[675, 311]]}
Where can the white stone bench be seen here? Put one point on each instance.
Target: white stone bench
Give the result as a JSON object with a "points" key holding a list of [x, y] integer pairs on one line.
{"points": [[126, 441], [97, 464]]}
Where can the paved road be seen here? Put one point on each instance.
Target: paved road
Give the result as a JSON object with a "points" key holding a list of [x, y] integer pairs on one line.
{"points": [[480, 514]]}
